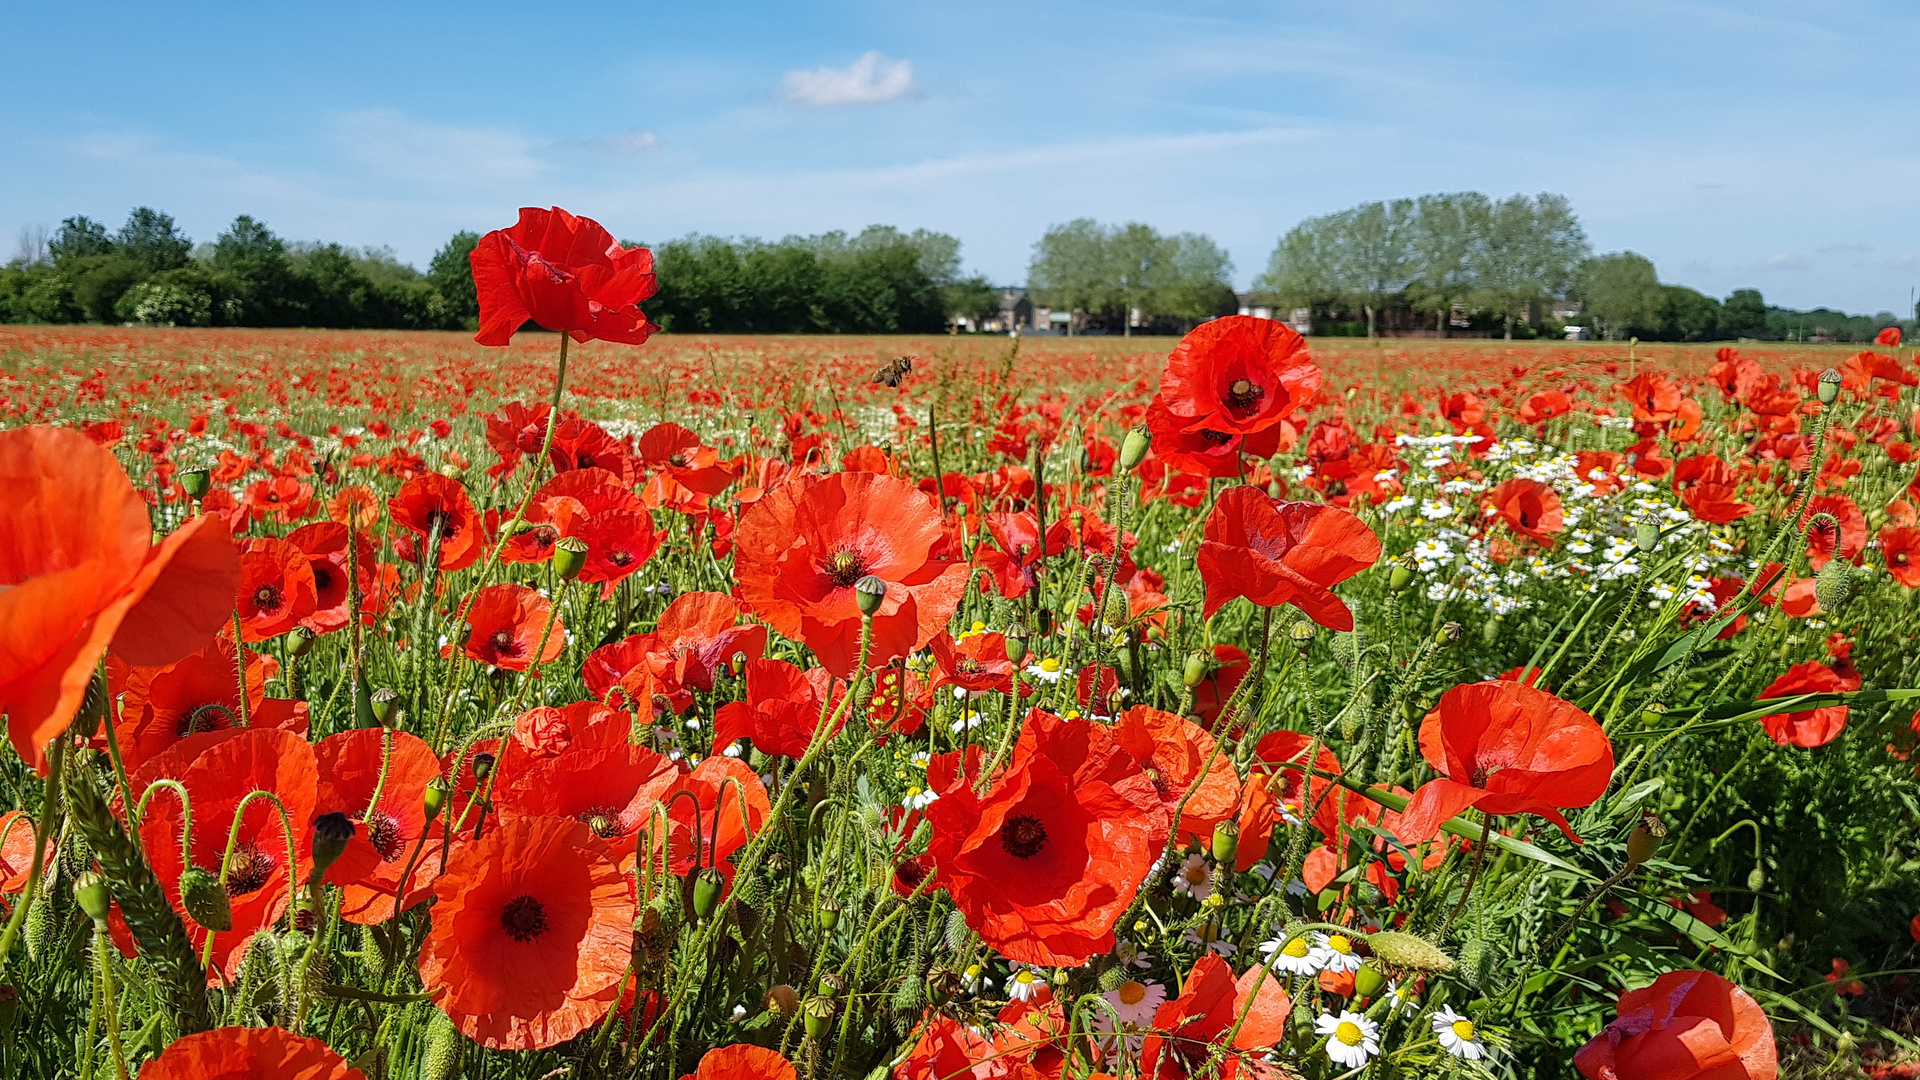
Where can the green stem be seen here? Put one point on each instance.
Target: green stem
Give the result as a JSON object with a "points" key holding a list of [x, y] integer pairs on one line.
{"points": [[49, 809]]}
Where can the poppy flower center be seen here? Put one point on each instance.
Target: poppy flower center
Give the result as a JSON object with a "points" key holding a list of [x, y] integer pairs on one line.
{"points": [[1217, 438], [678, 461], [910, 874], [444, 521], [502, 642], [267, 598], [844, 567], [1243, 394], [620, 558], [383, 832], [603, 820], [214, 717], [1023, 836], [1902, 558], [248, 870], [322, 577], [524, 918], [545, 536]]}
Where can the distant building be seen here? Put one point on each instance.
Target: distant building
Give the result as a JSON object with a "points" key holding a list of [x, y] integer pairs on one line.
{"points": [[1565, 310], [1576, 333], [1250, 306]]}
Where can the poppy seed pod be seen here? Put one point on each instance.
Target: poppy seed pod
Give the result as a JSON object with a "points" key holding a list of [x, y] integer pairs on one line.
{"points": [[1226, 842], [1645, 839], [818, 1012], [569, 557], [1302, 636], [706, 891], [205, 899], [1406, 952], [832, 985], [95, 898], [782, 1001], [1133, 448], [828, 916], [1017, 643], [869, 593], [452, 471], [1400, 577], [1646, 537], [331, 832], [300, 641], [435, 796], [196, 483], [1829, 386], [1449, 635], [1195, 671], [384, 701]]}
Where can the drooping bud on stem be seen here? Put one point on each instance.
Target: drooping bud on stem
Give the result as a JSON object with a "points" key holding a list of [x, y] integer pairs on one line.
{"points": [[205, 899], [1645, 838], [331, 832], [1301, 635], [1195, 671]]}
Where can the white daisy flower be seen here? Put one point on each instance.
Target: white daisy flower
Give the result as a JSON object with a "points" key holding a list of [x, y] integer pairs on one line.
{"points": [[1458, 1035], [1194, 877], [1208, 935], [1024, 985], [1297, 957], [1352, 1039], [1048, 670], [1336, 952], [1400, 997], [919, 798], [1136, 1002]]}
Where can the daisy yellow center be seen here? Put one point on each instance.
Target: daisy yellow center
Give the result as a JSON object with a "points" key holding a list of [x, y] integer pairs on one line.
{"points": [[1132, 993], [1025, 978], [1464, 1029], [1050, 664], [1296, 948], [1349, 1032], [1339, 943]]}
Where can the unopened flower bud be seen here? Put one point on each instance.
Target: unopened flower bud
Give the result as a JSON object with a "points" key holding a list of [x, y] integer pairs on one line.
{"points": [[706, 891], [482, 765], [95, 898], [569, 557], [1133, 448], [196, 483], [1646, 537], [1756, 879], [1302, 636], [1833, 586], [1829, 386], [782, 1001], [869, 593], [205, 899], [452, 471], [1195, 672], [1226, 842], [331, 832]]}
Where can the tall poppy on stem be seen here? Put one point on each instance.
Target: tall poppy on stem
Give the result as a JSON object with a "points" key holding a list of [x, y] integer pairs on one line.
{"points": [[431, 505], [79, 573], [564, 272], [1688, 1025], [354, 766], [1507, 748], [506, 622], [276, 590], [1274, 552], [531, 934], [1237, 376]]}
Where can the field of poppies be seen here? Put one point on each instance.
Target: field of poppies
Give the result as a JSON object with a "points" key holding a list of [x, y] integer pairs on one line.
{"points": [[596, 704]]}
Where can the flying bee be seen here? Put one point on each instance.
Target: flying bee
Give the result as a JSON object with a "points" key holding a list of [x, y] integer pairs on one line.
{"points": [[894, 370]]}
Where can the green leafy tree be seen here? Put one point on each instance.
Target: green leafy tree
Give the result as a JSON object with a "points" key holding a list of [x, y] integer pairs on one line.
{"points": [[1619, 294], [1070, 270], [257, 261], [972, 298], [1527, 253], [78, 237], [1444, 233], [1304, 269], [1687, 315], [1744, 314], [451, 273], [99, 281], [1198, 282], [150, 238]]}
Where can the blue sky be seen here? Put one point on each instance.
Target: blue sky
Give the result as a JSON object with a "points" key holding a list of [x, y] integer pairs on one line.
{"points": [[1759, 144]]}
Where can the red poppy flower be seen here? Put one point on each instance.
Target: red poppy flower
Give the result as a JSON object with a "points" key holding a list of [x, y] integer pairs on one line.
{"points": [[16, 852], [506, 622], [79, 573], [1172, 750], [697, 632], [532, 931], [548, 732], [743, 1062], [610, 790], [719, 783], [1507, 748], [1544, 406], [782, 710], [248, 1053], [1237, 376], [218, 779], [583, 444], [1015, 556], [619, 543], [1529, 507], [429, 501], [284, 498], [567, 274], [1812, 727], [353, 766], [1046, 861], [325, 545], [1888, 338], [161, 706], [683, 469], [1206, 452], [1688, 1025], [1847, 536], [357, 506], [1274, 552], [1900, 547], [276, 588], [1219, 684], [800, 549], [977, 664], [1187, 1030], [1708, 487]]}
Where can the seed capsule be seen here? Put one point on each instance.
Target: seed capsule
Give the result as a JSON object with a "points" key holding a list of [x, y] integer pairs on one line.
{"points": [[1195, 672], [196, 483], [331, 832], [706, 891], [1400, 577], [1226, 842], [1133, 448], [1645, 839], [1368, 982], [828, 915], [1829, 386], [818, 1012], [385, 701], [95, 897], [869, 593], [300, 641], [569, 557], [205, 900]]}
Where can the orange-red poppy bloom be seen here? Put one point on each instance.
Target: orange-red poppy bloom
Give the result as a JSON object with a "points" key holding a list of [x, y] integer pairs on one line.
{"points": [[782, 710], [743, 1062], [431, 504], [325, 545], [977, 664], [1708, 486], [697, 633], [354, 766], [619, 543], [1900, 547], [1529, 507], [1046, 861], [1274, 552], [1507, 748], [161, 706], [1187, 1029], [79, 573], [16, 852], [276, 591], [249, 1053], [507, 621], [1688, 1025], [800, 549], [1173, 750], [532, 931], [564, 272], [1237, 376], [612, 791], [1811, 727]]}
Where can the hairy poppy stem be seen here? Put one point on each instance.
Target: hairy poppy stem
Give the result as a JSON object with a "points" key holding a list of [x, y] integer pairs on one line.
{"points": [[1473, 876], [240, 666], [42, 829]]}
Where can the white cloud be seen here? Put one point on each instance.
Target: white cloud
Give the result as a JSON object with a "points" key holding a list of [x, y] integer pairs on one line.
{"points": [[393, 146], [867, 81], [623, 144]]}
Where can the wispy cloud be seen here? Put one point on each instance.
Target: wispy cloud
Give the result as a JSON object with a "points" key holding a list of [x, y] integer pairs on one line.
{"points": [[622, 144], [869, 80], [395, 147]]}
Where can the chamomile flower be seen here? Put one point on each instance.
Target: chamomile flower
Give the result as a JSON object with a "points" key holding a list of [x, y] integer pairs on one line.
{"points": [[1131, 955], [1025, 984], [1194, 877], [1352, 1039], [1296, 957], [975, 978], [1208, 934], [1136, 1002], [1400, 997], [1457, 1035], [1048, 670], [975, 630], [1336, 952], [918, 798]]}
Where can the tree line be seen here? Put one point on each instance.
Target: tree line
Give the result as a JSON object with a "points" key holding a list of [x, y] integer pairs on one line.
{"points": [[1458, 262]]}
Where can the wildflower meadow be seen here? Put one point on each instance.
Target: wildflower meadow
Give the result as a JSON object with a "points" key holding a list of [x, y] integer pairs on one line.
{"points": [[572, 701]]}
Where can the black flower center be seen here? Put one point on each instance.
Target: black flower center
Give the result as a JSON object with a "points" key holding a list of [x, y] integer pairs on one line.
{"points": [[1023, 836], [213, 717], [620, 558], [502, 641], [603, 820], [383, 832], [322, 577], [1243, 394], [524, 919], [845, 567], [267, 598], [1217, 438], [248, 870], [444, 521]]}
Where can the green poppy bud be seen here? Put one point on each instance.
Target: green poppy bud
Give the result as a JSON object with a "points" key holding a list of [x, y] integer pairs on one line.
{"points": [[1195, 672], [569, 557], [205, 899], [1133, 448], [300, 641], [1833, 586], [706, 891], [1646, 537], [869, 593], [1368, 982], [1226, 842], [95, 897], [1400, 577], [828, 915], [1302, 636], [196, 483], [331, 832], [482, 765], [1756, 879], [452, 471], [1829, 386]]}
